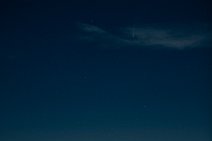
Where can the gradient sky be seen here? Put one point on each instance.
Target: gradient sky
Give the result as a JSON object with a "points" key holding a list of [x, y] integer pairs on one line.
{"points": [[105, 70]]}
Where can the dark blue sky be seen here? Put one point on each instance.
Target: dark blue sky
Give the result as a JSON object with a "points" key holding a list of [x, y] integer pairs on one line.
{"points": [[105, 71]]}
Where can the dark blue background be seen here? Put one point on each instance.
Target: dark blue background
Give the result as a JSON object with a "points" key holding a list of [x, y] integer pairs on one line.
{"points": [[53, 87]]}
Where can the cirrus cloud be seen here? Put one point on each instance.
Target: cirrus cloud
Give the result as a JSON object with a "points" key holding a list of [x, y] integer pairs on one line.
{"points": [[177, 38]]}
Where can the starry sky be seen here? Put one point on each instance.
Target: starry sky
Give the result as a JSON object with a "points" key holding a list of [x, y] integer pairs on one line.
{"points": [[105, 70]]}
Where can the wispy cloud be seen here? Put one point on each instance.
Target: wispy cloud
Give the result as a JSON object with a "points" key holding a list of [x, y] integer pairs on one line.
{"points": [[174, 38], [178, 38], [95, 34]]}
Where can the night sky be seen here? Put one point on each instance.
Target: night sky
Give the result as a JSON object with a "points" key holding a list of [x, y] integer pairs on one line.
{"points": [[105, 70]]}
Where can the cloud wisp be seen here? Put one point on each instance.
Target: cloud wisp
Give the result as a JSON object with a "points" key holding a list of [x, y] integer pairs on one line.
{"points": [[176, 38]]}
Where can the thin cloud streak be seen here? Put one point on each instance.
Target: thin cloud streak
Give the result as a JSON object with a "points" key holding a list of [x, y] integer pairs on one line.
{"points": [[165, 37], [144, 37], [95, 34]]}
